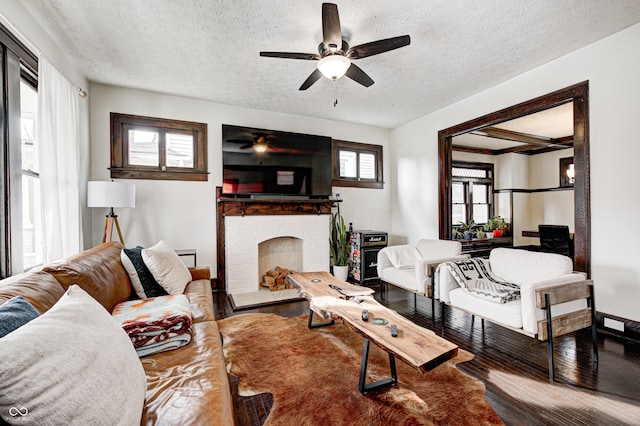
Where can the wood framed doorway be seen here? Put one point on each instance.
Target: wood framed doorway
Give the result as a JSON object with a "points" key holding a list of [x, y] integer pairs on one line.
{"points": [[579, 95]]}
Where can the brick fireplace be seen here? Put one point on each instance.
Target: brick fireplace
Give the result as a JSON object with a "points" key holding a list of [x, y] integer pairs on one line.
{"points": [[243, 225]]}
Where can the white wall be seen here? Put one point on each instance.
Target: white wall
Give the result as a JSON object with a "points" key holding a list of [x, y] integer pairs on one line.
{"points": [[183, 213], [611, 67], [17, 20]]}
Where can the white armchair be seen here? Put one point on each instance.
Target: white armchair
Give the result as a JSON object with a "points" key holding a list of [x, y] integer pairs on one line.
{"points": [[553, 301], [410, 267]]}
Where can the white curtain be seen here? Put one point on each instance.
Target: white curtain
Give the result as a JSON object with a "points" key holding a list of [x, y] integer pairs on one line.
{"points": [[58, 133]]}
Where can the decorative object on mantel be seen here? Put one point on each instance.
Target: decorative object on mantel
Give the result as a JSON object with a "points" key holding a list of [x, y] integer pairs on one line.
{"points": [[339, 245], [111, 194], [444, 395]]}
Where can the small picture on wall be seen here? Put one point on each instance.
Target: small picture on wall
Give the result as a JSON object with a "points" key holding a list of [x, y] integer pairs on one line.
{"points": [[567, 172]]}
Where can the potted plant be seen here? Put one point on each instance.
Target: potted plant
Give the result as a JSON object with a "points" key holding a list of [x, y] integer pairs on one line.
{"points": [[339, 245], [488, 229], [455, 234], [499, 225], [468, 228]]}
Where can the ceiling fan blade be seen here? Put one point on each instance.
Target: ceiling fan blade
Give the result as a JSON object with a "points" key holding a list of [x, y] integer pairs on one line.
{"points": [[376, 47], [356, 74], [247, 146], [290, 55], [331, 32], [315, 76]]}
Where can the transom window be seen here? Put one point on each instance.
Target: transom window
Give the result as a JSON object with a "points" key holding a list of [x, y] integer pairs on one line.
{"points": [[357, 164], [472, 192], [154, 148]]}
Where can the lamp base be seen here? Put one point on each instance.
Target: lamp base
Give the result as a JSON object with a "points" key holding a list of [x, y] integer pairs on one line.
{"points": [[108, 228]]}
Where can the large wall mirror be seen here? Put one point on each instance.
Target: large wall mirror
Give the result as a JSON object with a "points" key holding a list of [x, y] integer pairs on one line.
{"points": [[527, 145]]}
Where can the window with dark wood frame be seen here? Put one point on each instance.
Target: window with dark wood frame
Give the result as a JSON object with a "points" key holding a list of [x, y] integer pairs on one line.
{"points": [[366, 164], [175, 150], [475, 201]]}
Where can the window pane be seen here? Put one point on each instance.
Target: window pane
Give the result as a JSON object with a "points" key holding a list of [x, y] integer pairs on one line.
{"points": [[480, 213], [144, 147], [28, 117], [470, 173], [458, 192], [31, 220], [479, 193], [459, 213], [367, 166], [348, 164], [179, 150]]}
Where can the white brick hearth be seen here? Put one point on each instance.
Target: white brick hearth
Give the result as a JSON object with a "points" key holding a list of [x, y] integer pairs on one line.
{"points": [[244, 234]]}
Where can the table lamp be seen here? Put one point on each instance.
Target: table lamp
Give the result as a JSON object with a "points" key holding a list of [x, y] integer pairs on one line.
{"points": [[110, 195]]}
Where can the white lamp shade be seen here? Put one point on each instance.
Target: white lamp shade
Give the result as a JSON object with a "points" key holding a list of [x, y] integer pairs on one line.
{"points": [[111, 194], [334, 66]]}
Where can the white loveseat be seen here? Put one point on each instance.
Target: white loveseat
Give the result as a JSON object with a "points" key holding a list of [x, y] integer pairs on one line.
{"points": [[569, 295], [410, 267]]}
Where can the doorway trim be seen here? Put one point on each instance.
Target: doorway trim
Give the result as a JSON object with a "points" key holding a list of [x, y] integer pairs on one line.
{"points": [[579, 95]]}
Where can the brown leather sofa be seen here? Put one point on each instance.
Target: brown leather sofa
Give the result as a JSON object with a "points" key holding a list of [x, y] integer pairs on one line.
{"points": [[188, 385]]}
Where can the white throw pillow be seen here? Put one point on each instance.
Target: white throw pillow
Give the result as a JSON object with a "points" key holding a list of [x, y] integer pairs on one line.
{"points": [[404, 256], [72, 365], [166, 267]]}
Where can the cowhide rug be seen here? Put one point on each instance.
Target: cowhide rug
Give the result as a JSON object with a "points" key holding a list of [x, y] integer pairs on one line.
{"points": [[313, 377]]}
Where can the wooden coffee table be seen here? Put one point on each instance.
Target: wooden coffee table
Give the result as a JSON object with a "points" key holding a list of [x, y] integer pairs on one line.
{"points": [[343, 302]]}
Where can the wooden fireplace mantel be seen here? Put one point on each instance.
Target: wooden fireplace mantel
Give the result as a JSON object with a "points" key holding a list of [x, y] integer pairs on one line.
{"points": [[231, 206]]}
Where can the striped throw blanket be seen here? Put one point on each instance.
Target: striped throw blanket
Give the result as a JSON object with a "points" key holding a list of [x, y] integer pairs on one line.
{"points": [[475, 276], [156, 324]]}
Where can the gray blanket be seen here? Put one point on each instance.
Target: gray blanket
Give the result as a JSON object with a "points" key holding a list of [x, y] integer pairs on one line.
{"points": [[475, 276]]}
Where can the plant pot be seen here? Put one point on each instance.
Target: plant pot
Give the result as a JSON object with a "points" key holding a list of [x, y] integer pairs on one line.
{"points": [[341, 272], [497, 233], [489, 234]]}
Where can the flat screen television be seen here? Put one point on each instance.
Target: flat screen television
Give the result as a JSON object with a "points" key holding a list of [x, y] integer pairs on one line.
{"points": [[260, 162]]}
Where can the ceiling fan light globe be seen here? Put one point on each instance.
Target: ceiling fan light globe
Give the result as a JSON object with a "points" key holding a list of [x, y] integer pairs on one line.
{"points": [[260, 147], [334, 66]]}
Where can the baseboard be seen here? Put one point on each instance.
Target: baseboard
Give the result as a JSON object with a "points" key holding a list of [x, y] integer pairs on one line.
{"points": [[618, 326]]}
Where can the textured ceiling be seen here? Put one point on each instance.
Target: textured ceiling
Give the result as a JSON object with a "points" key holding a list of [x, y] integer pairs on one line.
{"points": [[209, 49]]}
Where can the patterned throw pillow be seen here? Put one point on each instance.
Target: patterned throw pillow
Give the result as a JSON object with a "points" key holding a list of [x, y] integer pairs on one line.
{"points": [[141, 278], [15, 313]]}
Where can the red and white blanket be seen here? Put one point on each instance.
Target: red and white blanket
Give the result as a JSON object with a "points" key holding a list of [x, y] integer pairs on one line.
{"points": [[156, 324]]}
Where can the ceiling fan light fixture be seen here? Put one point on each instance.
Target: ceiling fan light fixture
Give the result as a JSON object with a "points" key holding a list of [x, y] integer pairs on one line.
{"points": [[260, 147], [334, 66]]}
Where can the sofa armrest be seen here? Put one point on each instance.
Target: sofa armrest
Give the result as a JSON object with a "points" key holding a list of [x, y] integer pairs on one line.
{"points": [[531, 314], [421, 277], [435, 262], [200, 273], [383, 261], [445, 283]]}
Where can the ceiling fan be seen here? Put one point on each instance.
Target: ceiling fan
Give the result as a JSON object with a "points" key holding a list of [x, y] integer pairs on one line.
{"points": [[335, 56], [261, 142]]}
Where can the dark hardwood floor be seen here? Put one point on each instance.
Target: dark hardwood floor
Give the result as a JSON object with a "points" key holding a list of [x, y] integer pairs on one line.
{"points": [[513, 367]]}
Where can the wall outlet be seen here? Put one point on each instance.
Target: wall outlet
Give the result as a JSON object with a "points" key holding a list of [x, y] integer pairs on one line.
{"points": [[614, 324]]}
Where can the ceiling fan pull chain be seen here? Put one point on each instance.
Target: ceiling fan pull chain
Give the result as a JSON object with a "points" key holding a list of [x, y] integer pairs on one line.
{"points": [[335, 92]]}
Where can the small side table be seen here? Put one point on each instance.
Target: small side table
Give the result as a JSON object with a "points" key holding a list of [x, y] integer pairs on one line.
{"points": [[188, 252]]}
